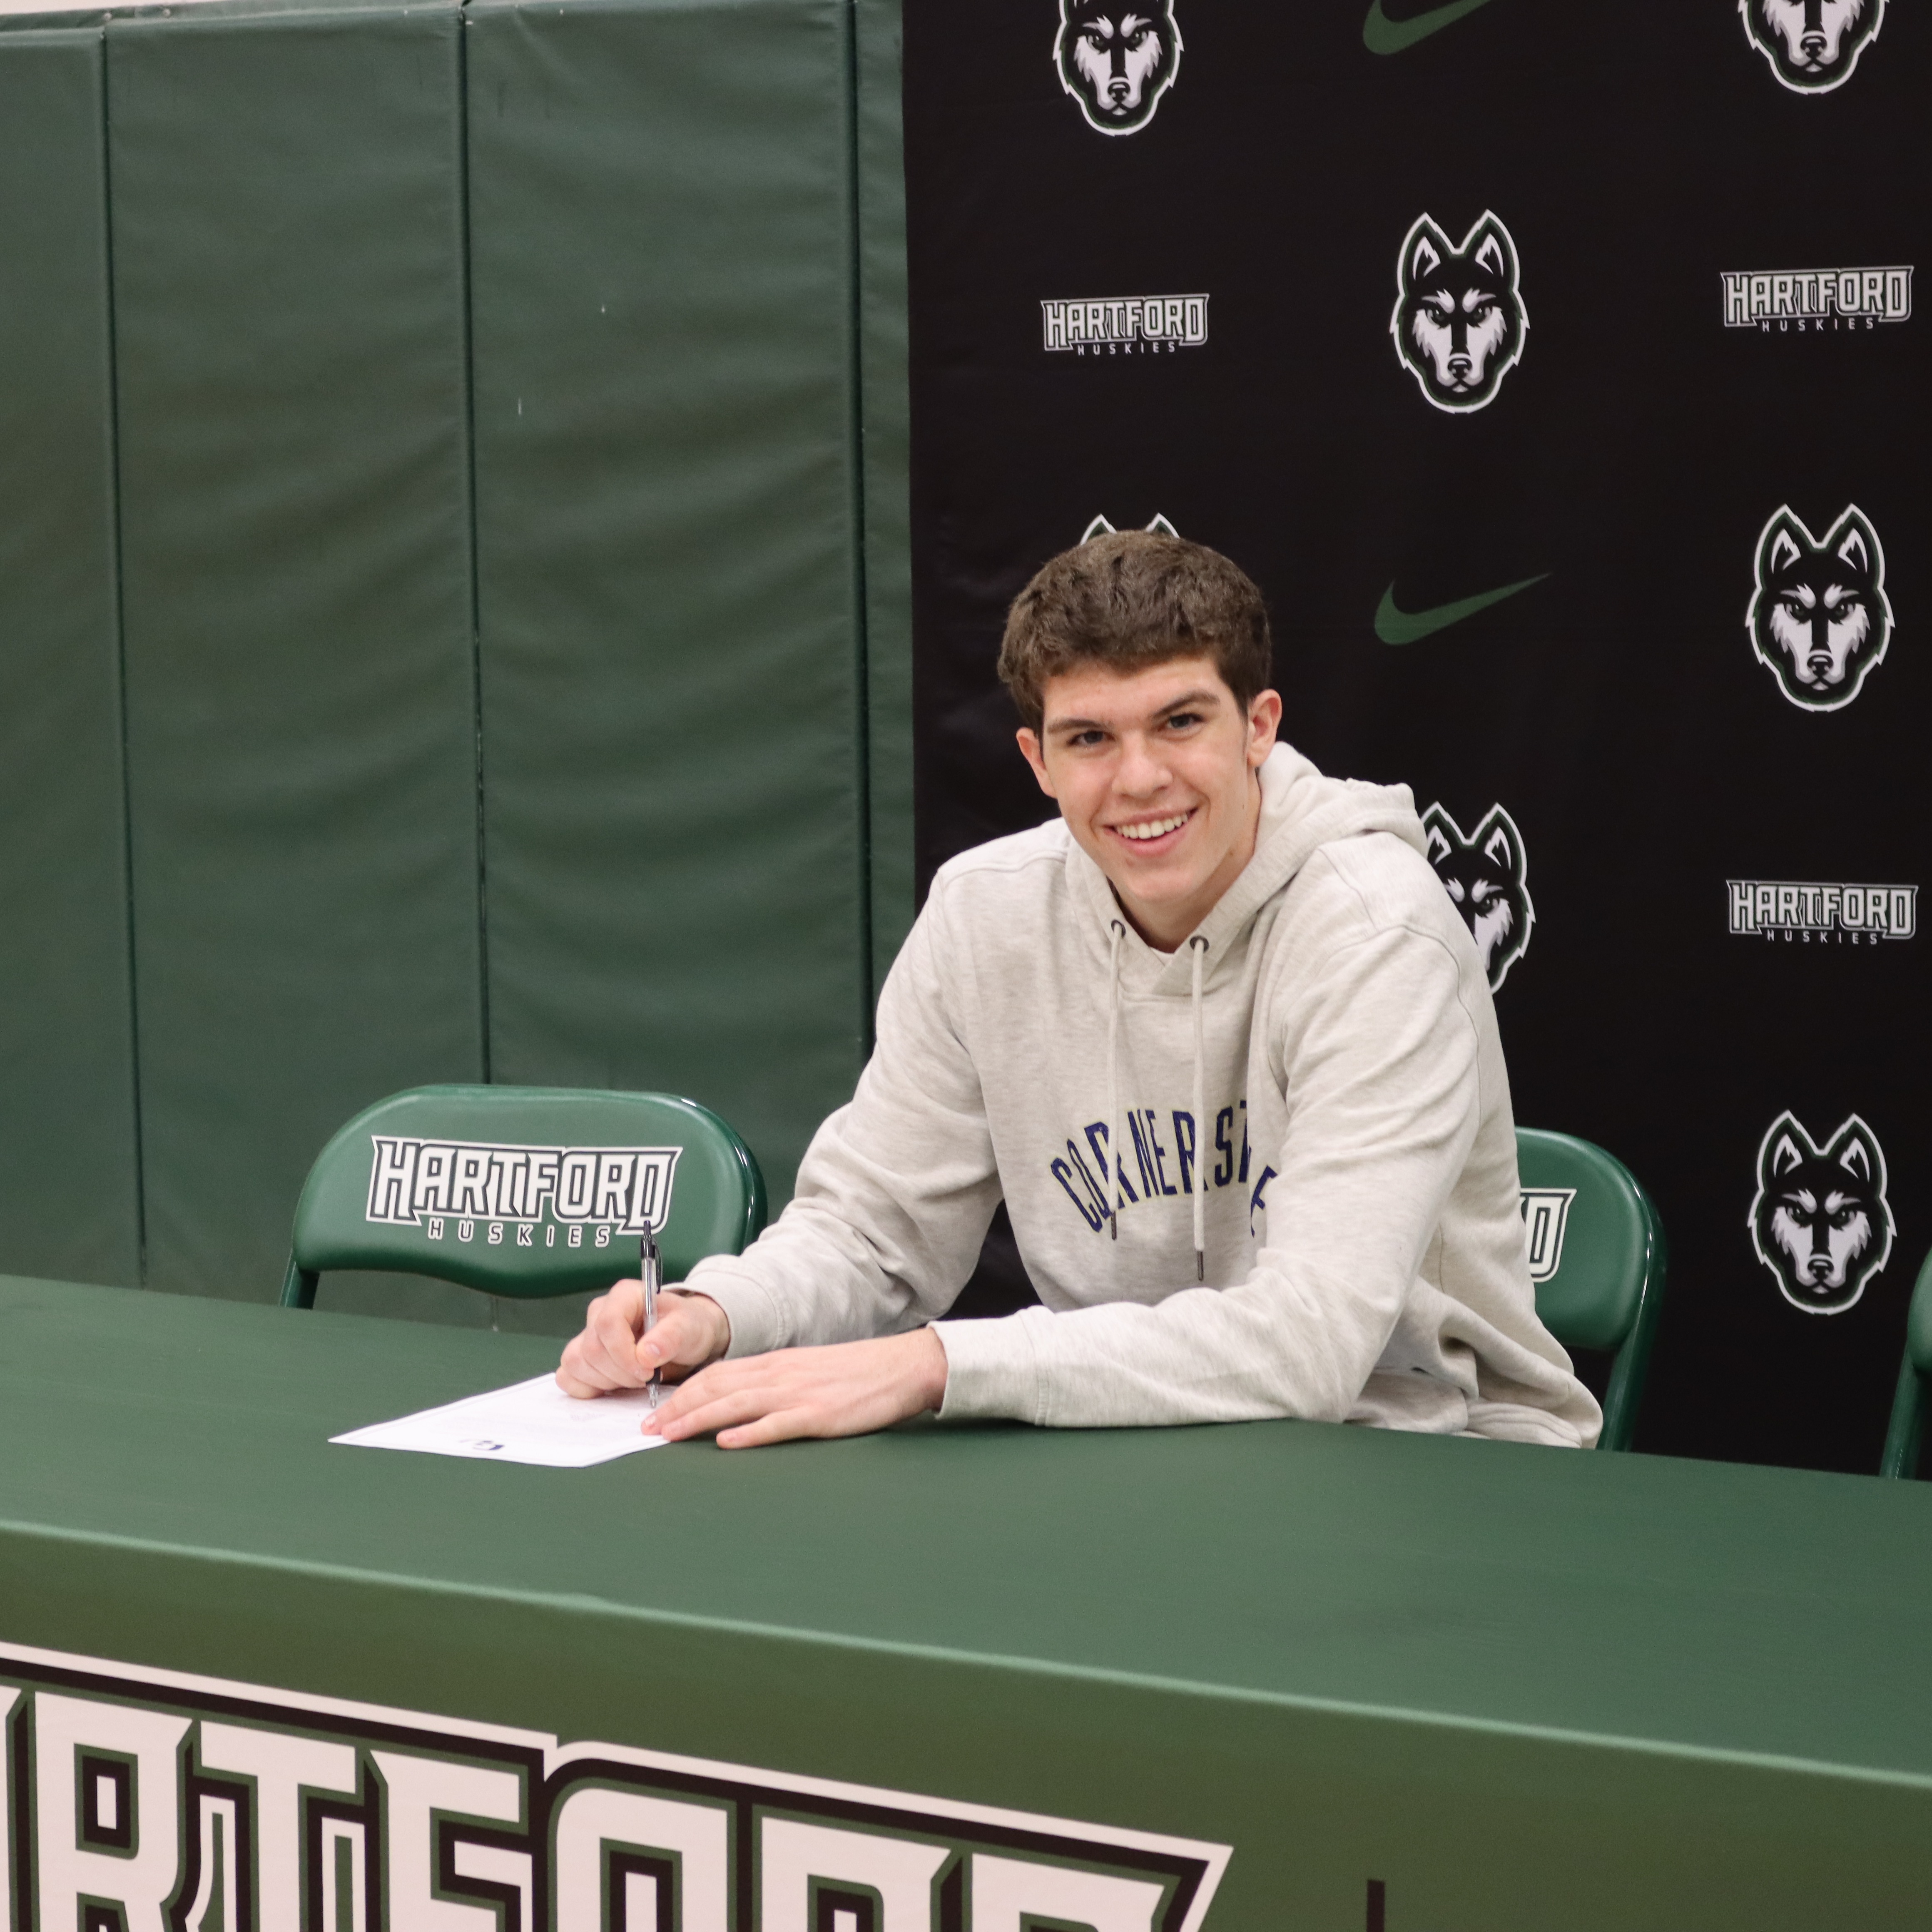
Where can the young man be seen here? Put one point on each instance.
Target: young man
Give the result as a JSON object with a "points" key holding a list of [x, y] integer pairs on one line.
{"points": [[1221, 1043]]}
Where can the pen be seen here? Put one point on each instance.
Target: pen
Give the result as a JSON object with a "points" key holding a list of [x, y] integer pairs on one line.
{"points": [[650, 1270]]}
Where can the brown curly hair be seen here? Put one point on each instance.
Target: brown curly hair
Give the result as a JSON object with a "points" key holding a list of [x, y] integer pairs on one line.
{"points": [[1129, 600]]}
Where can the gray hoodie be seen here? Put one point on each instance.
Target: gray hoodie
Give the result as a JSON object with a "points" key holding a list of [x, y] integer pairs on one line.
{"points": [[1315, 1206]]}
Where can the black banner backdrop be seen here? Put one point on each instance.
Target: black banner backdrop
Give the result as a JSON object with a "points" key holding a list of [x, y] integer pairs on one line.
{"points": [[1656, 366]]}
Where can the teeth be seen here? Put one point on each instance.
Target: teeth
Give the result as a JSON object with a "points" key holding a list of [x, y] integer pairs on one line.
{"points": [[1153, 828]]}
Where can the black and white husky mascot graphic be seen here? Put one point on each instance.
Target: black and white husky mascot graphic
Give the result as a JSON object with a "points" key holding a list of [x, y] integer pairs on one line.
{"points": [[1819, 618], [1459, 322], [1117, 60], [1486, 877], [1812, 45], [1819, 1221]]}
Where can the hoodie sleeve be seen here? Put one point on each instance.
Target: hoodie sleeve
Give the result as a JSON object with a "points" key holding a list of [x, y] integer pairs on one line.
{"points": [[894, 1193], [1379, 1059]]}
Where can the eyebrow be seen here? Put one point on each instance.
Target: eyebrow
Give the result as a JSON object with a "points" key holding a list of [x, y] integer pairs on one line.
{"points": [[1193, 701]]}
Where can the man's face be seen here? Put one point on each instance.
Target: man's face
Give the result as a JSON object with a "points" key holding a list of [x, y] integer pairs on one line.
{"points": [[1154, 773]]}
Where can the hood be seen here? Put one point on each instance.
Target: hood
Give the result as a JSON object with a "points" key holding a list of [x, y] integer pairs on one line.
{"points": [[1302, 810]]}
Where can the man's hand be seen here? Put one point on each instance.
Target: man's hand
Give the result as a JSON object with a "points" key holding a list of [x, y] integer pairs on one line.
{"points": [[613, 1352], [848, 1389]]}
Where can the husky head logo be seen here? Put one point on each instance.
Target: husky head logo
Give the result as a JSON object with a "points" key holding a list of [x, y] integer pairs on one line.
{"points": [[1819, 1221], [1486, 876], [1819, 618], [1812, 45], [1459, 321], [1100, 527], [1117, 60]]}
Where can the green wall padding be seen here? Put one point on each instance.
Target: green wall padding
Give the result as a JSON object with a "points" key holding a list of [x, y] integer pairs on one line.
{"points": [[69, 1201], [288, 295], [662, 240]]}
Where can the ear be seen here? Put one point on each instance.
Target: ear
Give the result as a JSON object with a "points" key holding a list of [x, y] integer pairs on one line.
{"points": [[1784, 542], [1440, 826], [1855, 1148], [1853, 541], [1263, 722], [1786, 1145], [1161, 527], [1099, 527], [1028, 740], [1422, 252], [1501, 843], [1489, 244]]}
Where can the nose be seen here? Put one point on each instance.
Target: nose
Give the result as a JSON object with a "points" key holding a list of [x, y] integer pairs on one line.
{"points": [[1141, 773]]}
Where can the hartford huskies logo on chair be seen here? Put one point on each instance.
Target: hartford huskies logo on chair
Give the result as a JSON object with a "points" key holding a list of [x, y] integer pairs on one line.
{"points": [[1486, 876], [1459, 322], [1117, 60], [1819, 1220], [1819, 618], [1812, 45]]}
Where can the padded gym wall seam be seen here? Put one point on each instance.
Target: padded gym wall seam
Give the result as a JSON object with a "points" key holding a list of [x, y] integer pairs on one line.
{"points": [[856, 489], [476, 592], [120, 679]]}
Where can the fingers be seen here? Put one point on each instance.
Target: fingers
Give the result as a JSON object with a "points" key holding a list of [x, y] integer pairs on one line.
{"points": [[612, 1352], [604, 1356], [848, 1389], [691, 1329]]}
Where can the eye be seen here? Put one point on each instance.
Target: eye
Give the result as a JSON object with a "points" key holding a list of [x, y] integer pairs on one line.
{"points": [[1183, 721], [1478, 303], [1140, 38], [1481, 890]]}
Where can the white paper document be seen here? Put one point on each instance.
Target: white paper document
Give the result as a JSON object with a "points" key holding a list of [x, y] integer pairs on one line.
{"points": [[528, 1422]]}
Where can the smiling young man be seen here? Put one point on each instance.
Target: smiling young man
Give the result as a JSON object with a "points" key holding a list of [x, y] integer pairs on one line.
{"points": [[1220, 1040]]}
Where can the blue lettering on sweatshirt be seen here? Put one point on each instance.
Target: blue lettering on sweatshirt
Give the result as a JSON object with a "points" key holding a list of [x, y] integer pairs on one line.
{"points": [[1151, 1161], [1224, 1167], [1255, 1199]]}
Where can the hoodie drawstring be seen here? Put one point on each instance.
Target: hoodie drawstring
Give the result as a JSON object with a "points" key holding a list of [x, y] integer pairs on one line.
{"points": [[1117, 932], [1198, 947]]}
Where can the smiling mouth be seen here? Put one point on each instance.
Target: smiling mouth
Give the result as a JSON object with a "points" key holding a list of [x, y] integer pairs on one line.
{"points": [[1151, 831]]}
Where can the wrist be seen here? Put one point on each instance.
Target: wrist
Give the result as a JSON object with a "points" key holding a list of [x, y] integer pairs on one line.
{"points": [[721, 1326], [933, 1367]]}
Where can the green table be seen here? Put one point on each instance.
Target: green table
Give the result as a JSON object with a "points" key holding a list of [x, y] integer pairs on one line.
{"points": [[981, 1680]]}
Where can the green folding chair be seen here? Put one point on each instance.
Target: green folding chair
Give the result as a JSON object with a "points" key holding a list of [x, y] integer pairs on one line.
{"points": [[526, 1191], [1597, 1256], [1902, 1439]]}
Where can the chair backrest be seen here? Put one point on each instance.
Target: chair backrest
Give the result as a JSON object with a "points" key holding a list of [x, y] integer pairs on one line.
{"points": [[1597, 1255], [524, 1191], [1902, 1439]]}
